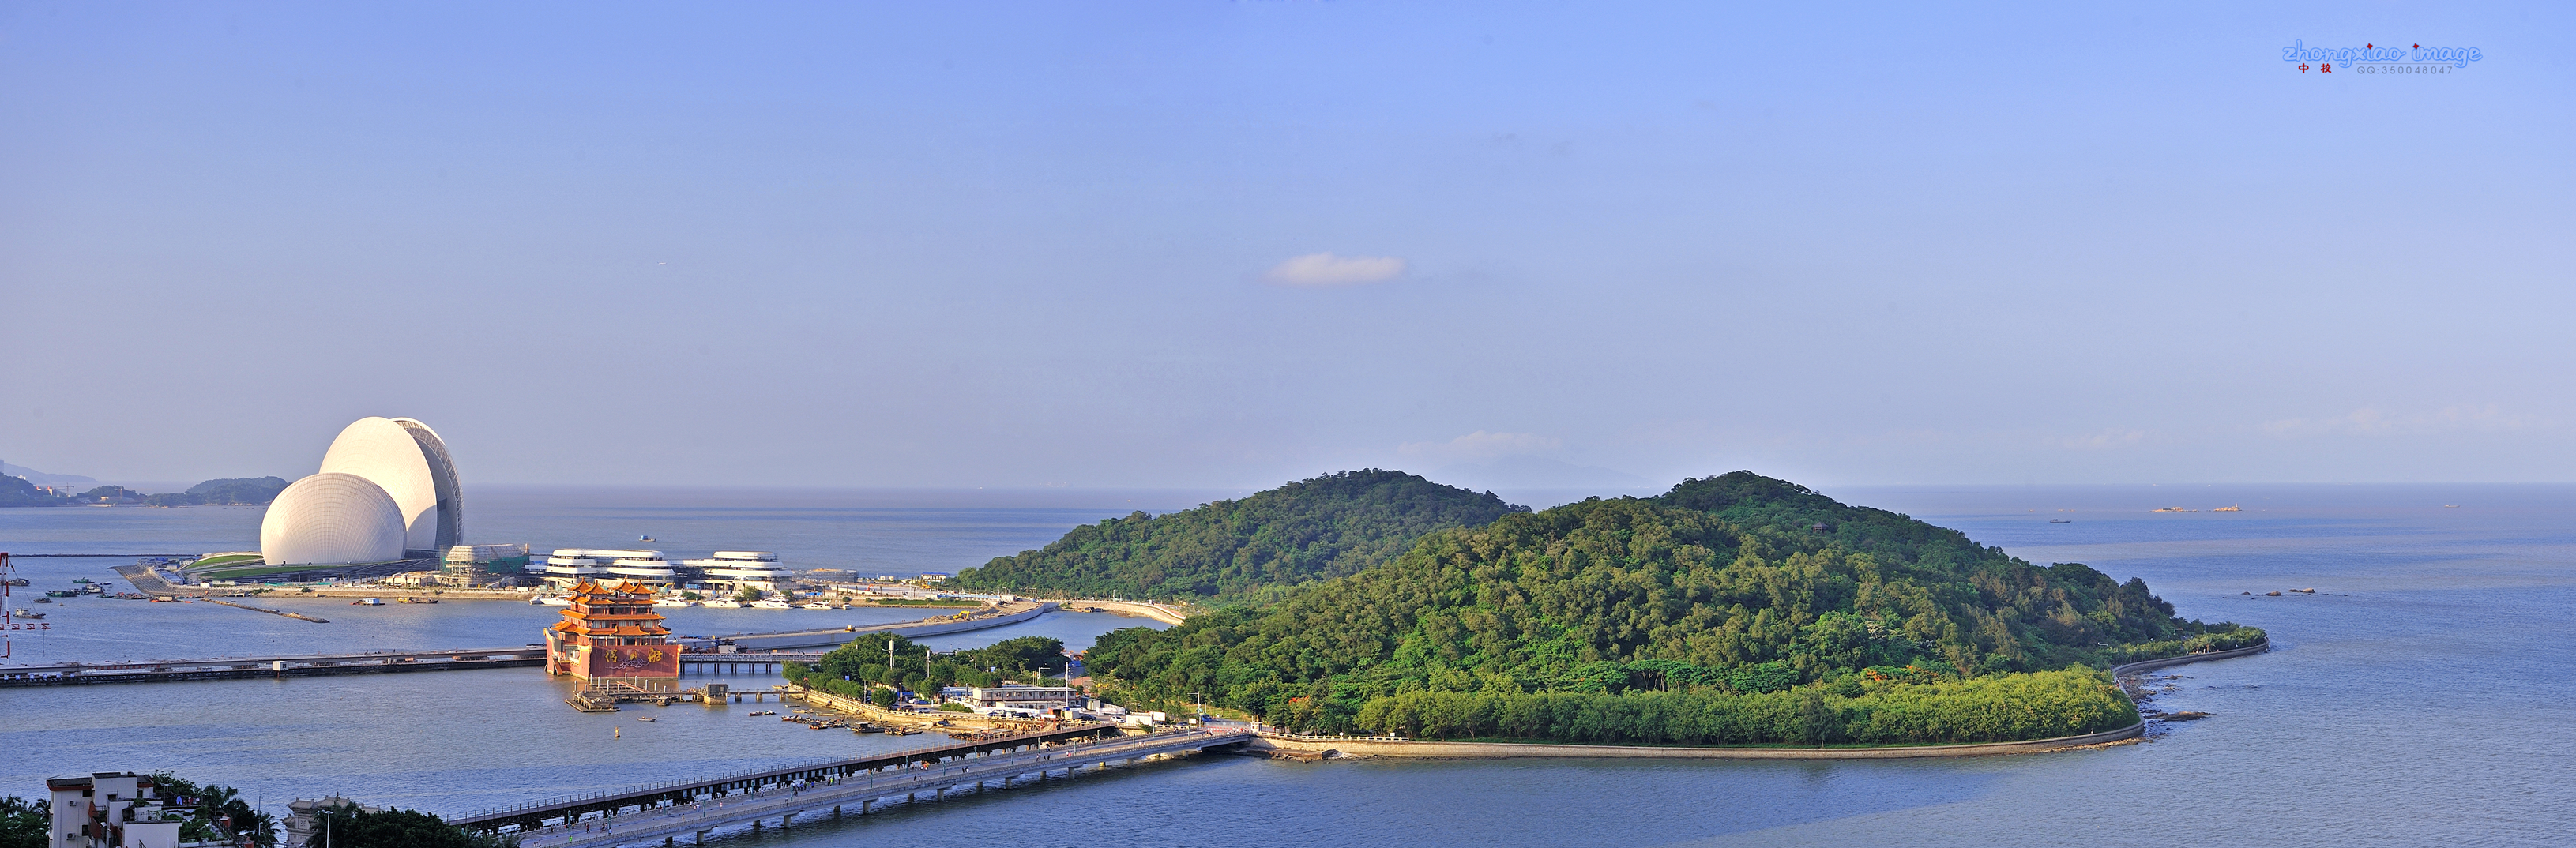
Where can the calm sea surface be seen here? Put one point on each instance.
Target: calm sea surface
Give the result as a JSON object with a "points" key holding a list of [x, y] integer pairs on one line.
{"points": [[2419, 698]]}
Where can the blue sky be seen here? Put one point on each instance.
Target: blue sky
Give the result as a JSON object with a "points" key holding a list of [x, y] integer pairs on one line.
{"points": [[1052, 243]]}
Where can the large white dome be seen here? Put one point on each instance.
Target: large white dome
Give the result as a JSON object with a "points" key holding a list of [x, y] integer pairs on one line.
{"points": [[407, 460], [331, 519]]}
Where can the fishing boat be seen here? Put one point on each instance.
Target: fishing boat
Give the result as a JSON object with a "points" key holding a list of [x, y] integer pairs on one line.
{"points": [[367, 602], [26, 613], [419, 600], [2059, 521]]}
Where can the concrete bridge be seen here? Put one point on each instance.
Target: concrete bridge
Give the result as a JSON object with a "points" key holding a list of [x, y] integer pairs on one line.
{"points": [[692, 809], [834, 637], [769, 658], [298, 665]]}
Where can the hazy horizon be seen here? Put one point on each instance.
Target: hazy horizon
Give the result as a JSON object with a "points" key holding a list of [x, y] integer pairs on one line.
{"points": [[1225, 246]]}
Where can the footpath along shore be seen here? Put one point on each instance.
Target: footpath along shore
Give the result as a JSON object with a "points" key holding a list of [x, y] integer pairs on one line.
{"points": [[1369, 746]]}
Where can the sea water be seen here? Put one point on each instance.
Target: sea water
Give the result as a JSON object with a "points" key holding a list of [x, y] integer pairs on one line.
{"points": [[2418, 697]]}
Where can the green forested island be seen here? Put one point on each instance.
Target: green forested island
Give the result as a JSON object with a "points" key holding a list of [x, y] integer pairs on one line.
{"points": [[253, 491], [1736, 609], [1255, 550]]}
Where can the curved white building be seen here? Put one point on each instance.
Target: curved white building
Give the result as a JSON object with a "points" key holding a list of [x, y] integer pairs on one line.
{"points": [[742, 569], [406, 459], [332, 519]]}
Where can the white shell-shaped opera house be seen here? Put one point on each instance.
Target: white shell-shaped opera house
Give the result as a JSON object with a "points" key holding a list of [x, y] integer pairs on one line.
{"points": [[407, 459], [406, 467], [331, 519]]}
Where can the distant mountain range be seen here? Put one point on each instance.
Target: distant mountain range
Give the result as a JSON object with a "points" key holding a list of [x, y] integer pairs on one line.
{"points": [[43, 479]]}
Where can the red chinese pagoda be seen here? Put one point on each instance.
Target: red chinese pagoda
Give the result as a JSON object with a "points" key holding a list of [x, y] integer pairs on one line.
{"points": [[612, 633]]}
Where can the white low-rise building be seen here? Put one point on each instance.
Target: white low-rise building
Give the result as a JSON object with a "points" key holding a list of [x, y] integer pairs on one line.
{"points": [[742, 570], [570, 566], [117, 809], [1020, 696]]}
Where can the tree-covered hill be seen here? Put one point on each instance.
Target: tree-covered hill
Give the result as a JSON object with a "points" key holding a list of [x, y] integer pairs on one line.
{"points": [[1735, 609], [1254, 549]]}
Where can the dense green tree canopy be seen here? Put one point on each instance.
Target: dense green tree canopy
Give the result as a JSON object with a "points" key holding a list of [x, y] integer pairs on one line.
{"points": [[1715, 599], [860, 668], [352, 827], [1255, 549]]}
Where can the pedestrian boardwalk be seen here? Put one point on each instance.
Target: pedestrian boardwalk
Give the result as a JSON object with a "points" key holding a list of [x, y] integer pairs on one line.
{"points": [[671, 813]]}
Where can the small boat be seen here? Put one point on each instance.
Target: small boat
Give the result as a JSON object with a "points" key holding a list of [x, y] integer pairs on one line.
{"points": [[818, 605], [644, 539], [674, 602], [44, 600], [646, 718], [80, 580], [2059, 521], [772, 605], [760, 713], [419, 600], [2172, 509], [722, 604], [558, 601], [25, 613], [367, 602]]}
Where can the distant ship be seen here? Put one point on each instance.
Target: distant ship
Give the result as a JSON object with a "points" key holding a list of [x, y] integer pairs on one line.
{"points": [[2229, 508], [645, 539], [2060, 521], [2172, 509]]}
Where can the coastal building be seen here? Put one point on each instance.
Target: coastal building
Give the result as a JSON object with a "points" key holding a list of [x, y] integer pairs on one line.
{"points": [[740, 570], [1019, 696], [331, 519], [381, 477], [111, 809], [305, 823], [571, 566], [612, 633], [471, 565]]}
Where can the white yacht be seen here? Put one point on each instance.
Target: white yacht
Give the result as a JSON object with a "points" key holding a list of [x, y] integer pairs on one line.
{"points": [[771, 604], [721, 603]]}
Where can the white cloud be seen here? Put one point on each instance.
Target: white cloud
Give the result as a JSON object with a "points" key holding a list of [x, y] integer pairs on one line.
{"points": [[1481, 445], [2372, 421], [1325, 269]]}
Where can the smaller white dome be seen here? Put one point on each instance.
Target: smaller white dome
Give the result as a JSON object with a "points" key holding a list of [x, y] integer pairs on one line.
{"points": [[331, 519]]}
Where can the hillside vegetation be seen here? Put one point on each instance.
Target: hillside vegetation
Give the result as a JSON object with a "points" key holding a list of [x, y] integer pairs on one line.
{"points": [[1252, 550], [1733, 609]]}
